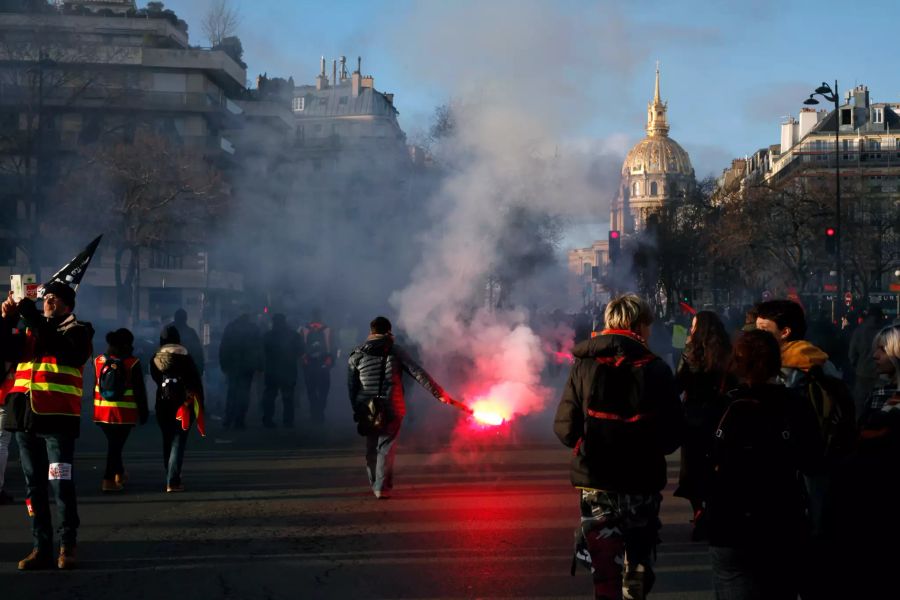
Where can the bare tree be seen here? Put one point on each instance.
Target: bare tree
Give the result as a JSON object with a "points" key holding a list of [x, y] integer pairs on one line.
{"points": [[220, 21], [150, 194]]}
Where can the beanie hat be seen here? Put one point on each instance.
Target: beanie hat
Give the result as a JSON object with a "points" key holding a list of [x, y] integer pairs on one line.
{"points": [[61, 291]]}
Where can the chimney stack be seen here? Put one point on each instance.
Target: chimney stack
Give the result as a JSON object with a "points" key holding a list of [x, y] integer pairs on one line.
{"points": [[322, 79], [343, 68], [334, 72], [355, 82]]}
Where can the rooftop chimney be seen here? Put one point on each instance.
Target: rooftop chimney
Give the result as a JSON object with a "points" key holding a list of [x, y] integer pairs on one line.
{"points": [[322, 79], [334, 72], [343, 68]]}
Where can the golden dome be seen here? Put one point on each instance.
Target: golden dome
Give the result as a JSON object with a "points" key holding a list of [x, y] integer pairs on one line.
{"points": [[657, 155]]}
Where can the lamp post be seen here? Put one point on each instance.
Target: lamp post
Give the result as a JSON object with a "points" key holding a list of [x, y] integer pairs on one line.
{"points": [[831, 95]]}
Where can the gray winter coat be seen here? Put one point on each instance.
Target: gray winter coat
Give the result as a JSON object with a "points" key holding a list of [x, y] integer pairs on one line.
{"points": [[365, 373]]}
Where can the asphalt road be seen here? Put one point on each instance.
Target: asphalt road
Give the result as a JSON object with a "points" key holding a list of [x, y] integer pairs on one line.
{"points": [[287, 514]]}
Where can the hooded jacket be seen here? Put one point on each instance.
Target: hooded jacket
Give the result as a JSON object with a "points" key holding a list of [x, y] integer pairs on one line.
{"points": [[365, 373], [622, 448], [172, 361], [798, 357]]}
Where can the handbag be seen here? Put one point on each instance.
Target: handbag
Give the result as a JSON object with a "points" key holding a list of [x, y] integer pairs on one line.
{"points": [[373, 416]]}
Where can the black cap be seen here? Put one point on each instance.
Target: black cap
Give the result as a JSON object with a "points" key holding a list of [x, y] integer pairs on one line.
{"points": [[61, 291]]}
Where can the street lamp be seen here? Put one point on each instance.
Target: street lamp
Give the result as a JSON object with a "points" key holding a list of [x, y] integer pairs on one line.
{"points": [[831, 95]]}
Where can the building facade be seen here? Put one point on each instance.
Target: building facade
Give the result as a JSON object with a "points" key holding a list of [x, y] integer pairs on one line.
{"points": [[656, 173], [805, 164], [91, 72]]}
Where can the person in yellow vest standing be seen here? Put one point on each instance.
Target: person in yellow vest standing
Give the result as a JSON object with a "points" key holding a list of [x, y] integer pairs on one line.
{"points": [[120, 402], [43, 407]]}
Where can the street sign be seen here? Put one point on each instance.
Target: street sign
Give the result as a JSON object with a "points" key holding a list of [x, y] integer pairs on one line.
{"points": [[894, 287], [830, 287], [830, 298]]}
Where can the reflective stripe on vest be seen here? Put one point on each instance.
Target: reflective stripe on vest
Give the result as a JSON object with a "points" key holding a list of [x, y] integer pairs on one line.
{"points": [[54, 389], [123, 411]]}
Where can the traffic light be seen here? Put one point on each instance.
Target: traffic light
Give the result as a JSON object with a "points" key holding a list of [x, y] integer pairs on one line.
{"points": [[615, 245], [831, 240], [686, 296]]}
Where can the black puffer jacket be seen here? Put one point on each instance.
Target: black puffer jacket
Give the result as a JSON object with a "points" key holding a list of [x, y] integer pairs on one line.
{"points": [[622, 447], [365, 373]]}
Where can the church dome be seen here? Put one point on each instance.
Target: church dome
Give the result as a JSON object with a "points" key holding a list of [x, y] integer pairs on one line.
{"points": [[657, 155]]}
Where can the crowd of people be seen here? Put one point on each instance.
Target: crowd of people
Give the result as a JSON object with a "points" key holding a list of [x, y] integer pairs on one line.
{"points": [[788, 462], [787, 450]]}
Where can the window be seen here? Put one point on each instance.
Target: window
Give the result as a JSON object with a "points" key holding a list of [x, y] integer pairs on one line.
{"points": [[877, 115], [635, 188], [299, 104], [846, 116], [653, 188]]}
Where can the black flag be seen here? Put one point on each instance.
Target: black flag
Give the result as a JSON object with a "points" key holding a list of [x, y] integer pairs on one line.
{"points": [[74, 270]]}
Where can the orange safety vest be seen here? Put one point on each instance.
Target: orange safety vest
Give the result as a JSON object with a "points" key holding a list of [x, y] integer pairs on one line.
{"points": [[54, 389], [122, 411]]}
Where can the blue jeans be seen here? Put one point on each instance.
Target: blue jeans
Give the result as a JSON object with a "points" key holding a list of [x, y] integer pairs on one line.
{"points": [[380, 451], [38, 453], [756, 573], [174, 445]]}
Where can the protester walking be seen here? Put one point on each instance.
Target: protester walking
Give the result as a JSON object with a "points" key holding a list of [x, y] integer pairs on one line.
{"points": [[179, 402], [283, 349], [756, 510], [863, 515], [703, 380], [375, 382], [120, 402], [620, 412], [317, 363], [240, 357], [43, 406]]}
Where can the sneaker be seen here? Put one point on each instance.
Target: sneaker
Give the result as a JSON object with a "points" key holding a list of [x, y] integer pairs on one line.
{"points": [[175, 487], [111, 485], [6, 498], [36, 560], [66, 558], [382, 495], [122, 478]]}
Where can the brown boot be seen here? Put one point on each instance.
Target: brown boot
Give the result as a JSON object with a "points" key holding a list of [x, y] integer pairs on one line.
{"points": [[67, 559], [36, 560]]}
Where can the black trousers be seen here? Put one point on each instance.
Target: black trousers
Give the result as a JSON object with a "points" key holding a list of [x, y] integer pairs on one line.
{"points": [[238, 399], [271, 390], [318, 382], [116, 436]]}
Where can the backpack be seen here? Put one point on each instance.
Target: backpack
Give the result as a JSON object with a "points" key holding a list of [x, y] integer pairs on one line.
{"points": [[112, 378], [835, 410], [315, 344], [752, 458], [614, 418]]}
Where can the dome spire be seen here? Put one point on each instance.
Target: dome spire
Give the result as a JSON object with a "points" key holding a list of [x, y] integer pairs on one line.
{"points": [[657, 124]]}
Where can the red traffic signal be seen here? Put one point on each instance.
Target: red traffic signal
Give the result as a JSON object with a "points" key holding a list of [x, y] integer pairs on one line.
{"points": [[614, 245], [830, 232]]}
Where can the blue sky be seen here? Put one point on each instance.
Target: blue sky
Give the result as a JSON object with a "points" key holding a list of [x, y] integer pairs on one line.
{"points": [[730, 70]]}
